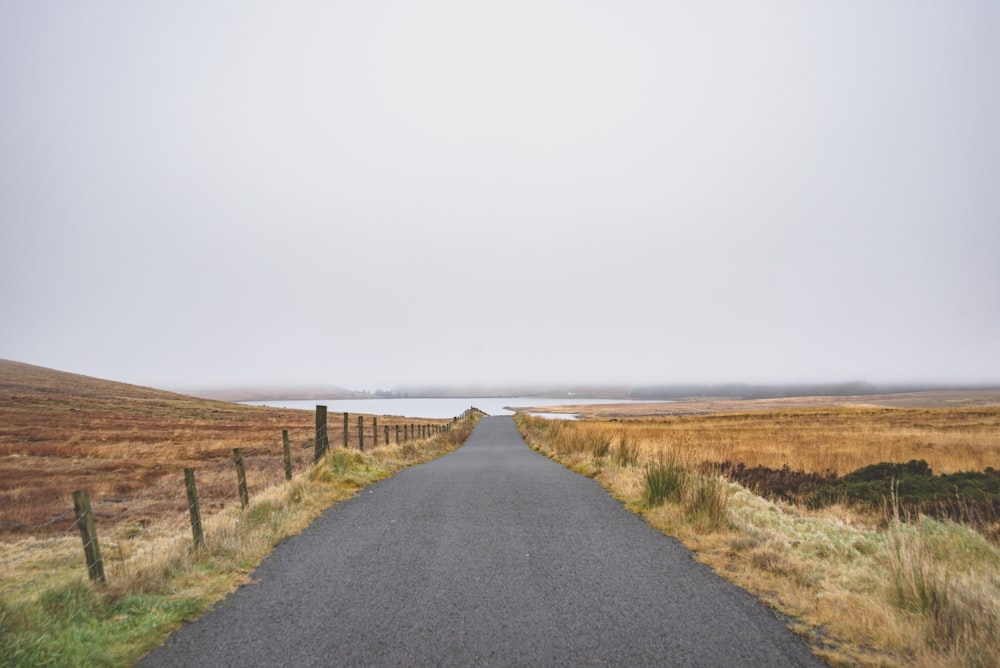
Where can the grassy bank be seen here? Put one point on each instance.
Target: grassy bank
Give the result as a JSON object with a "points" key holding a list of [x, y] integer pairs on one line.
{"points": [[863, 587], [51, 615]]}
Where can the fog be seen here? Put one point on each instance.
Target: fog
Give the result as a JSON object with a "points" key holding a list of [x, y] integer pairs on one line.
{"points": [[387, 193]]}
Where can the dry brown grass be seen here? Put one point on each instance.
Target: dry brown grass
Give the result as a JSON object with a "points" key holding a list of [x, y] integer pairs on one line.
{"points": [[128, 446], [863, 590], [719, 405], [157, 579], [820, 439]]}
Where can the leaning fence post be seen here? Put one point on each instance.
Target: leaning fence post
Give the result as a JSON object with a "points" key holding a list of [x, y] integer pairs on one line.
{"points": [[241, 477], [192, 493], [361, 433], [345, 430], [287, 451], [322, 441], [91, 550]]}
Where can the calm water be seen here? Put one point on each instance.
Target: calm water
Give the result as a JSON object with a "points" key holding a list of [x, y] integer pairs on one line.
{"points": [[433, 408]]}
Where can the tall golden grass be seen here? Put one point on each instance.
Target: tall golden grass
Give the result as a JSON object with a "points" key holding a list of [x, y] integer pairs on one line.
{"points": [[876, 593], [827, 439]]}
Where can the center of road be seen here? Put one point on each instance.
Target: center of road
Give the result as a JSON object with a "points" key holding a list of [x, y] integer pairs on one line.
{"points": [[490, 555]]}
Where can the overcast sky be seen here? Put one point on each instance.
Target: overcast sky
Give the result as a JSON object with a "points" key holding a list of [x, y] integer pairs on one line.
{"points": [[378, 193]]}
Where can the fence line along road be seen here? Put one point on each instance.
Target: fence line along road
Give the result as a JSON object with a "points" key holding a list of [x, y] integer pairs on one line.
{"points": [[491, 555]]}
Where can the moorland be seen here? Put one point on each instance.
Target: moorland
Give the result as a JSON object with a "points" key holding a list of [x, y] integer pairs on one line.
{"points": [[128, 445], [873, 522]]}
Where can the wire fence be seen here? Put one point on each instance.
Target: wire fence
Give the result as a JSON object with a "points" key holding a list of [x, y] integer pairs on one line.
{"points": [[170, 507]]}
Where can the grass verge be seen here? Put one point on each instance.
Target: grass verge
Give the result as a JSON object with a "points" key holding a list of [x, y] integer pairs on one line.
{"points": [[51, 615], [862, 590]]}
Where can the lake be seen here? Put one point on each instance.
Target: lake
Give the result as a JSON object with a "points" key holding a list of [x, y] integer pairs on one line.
{"points": [[437, 408]]}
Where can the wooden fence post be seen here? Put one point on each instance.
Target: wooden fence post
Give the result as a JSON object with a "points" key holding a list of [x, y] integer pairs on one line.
{"points": [[192, 493], [361, 433], [287, 451], [91, 550], [345, 430], [322, 439], [241, 477], [374, 432], [387, 434], [397, 434]]}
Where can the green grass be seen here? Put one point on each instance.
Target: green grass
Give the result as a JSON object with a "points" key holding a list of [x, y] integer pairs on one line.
{"points": [[76, 623], [665, 481]]}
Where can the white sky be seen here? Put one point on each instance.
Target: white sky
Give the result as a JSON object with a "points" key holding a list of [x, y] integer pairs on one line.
{"points": [[377, 193]]}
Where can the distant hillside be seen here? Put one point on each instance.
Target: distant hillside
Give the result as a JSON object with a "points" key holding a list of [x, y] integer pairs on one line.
{"points": [[274, 393], [745, 391], [19, 378], [547, 391]]}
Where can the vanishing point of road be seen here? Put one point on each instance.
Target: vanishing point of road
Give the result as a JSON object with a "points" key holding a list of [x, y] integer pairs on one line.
{"points": [[490, 555]]}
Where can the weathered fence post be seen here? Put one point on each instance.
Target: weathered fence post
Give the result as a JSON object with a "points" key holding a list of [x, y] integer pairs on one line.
{"points": [[322, 440], [287, 451], [241, 477], [387, 434], [345, 430], [91, 550], [397, 434], [192, 493], [374, 432], [361, 433]]}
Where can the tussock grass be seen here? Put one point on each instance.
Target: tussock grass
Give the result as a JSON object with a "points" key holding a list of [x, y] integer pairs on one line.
{"points": [[665, 481], [627, 453], [958, 616], [864, 588], [51, 615], [817, 439]]}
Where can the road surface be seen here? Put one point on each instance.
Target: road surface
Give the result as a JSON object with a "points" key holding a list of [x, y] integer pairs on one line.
{"points": [[491, 555]]}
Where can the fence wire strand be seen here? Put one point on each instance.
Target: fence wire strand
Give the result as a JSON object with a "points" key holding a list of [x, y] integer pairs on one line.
{"points": [[169, 509]]}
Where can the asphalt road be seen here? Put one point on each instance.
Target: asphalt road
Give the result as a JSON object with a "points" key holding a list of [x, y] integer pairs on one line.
{"points": [[491, 555]]}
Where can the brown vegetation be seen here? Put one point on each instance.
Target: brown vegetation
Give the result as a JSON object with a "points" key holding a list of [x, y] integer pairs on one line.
{"points": [[716, 405], [128, 446], [826, 439], [870, 587]]}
